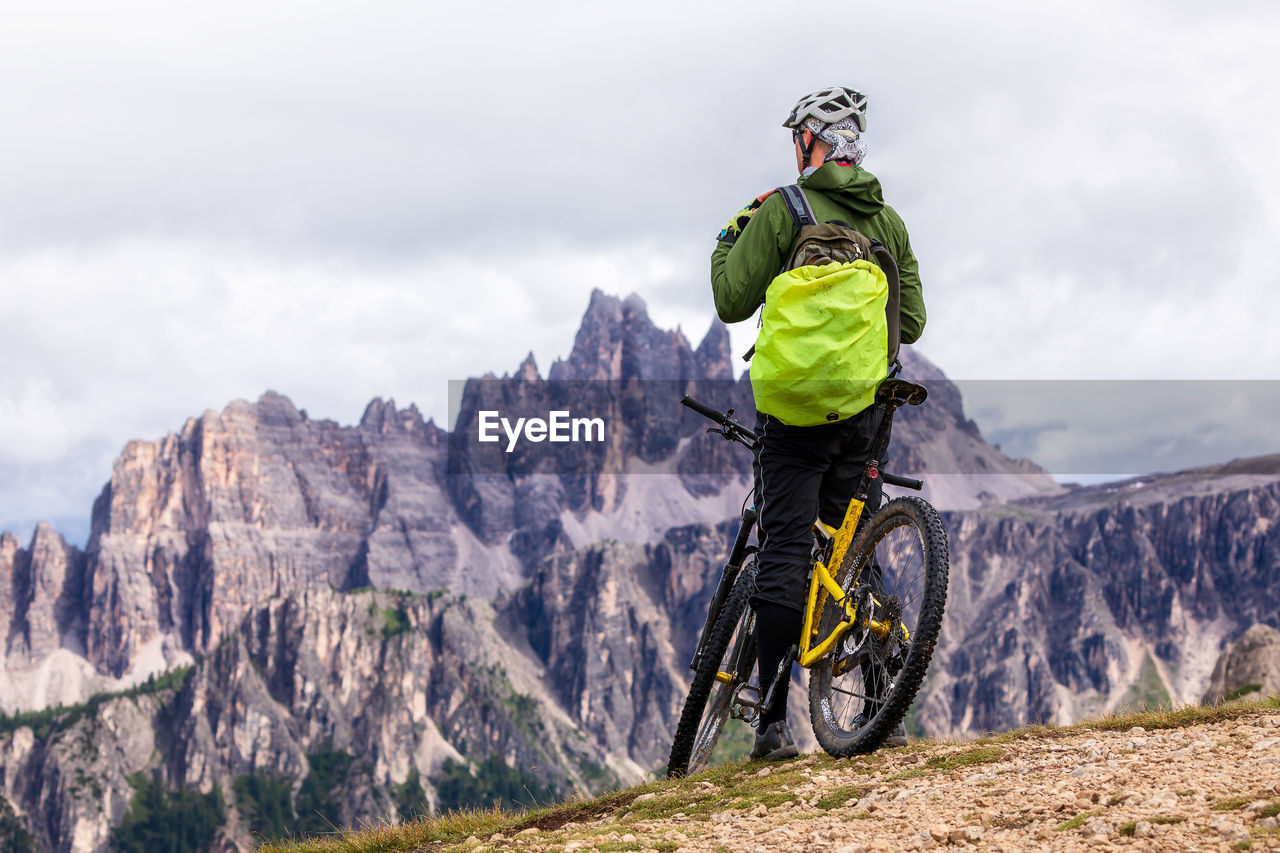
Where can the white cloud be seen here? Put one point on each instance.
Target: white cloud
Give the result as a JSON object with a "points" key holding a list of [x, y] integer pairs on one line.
{"points": [[199, 203]]}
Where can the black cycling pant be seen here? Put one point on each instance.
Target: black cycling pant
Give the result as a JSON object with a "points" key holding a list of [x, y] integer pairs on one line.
{"points": [[802, 473]]}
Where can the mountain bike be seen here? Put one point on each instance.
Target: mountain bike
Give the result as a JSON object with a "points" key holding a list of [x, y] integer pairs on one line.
{"points": [[877, 590]]}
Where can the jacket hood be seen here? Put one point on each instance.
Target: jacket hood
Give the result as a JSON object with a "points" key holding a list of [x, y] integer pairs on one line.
{"points": [[854, 186]]}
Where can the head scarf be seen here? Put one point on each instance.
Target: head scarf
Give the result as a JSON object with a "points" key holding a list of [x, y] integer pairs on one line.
{"points": [[844, 138]]}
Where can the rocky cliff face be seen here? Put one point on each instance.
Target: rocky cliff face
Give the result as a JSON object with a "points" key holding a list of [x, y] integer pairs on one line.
{"points": [[1108, 598], [1249, 668], [547, 612]]}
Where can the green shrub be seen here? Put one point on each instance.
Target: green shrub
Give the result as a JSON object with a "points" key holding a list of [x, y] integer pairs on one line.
{"points": [[266, 802], [318, 812], [180, 822], [493, 782], [395, 621], [410, 797], [14, 837]]}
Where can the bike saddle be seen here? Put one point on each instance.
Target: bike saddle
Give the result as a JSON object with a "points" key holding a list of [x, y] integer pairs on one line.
{"points": [[899, 391]]}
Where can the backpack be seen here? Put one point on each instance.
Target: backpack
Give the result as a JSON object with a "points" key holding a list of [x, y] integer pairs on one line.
{"points": [[829, 326]]}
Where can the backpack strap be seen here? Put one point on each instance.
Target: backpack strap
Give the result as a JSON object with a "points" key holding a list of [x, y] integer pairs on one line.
{"points": [[884, 258], [798, 205]]}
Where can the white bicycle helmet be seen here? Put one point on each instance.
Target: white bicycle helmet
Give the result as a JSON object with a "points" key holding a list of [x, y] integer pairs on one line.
{"points": [[830, 105]]}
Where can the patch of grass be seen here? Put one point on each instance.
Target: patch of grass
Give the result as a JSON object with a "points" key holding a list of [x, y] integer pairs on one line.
{"points": [[969, 758], [1151, 720], [731, 780], [1167, 820], [838, 796], [1077, 821], [1270, 811], [1128, 828], [1231, 804]]}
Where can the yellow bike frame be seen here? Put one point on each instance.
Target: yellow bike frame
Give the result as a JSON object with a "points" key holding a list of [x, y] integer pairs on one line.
{"points": [[822, 583]]}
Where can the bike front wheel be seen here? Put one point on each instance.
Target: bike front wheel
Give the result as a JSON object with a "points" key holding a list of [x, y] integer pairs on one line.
{"points": [[723, 669], [896, 570]]}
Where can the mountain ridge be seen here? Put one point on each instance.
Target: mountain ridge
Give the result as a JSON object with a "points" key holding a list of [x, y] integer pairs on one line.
{"points": [[244, 544]]}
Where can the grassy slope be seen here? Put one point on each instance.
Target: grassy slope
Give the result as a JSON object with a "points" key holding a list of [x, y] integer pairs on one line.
{"points": [[733, 782]]}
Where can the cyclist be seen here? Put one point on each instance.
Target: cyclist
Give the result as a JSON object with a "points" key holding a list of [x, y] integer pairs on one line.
{"points": [[803, 472]]}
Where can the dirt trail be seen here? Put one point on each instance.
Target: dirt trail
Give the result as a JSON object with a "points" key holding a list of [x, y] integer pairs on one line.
{"points": [[1208, 787]]}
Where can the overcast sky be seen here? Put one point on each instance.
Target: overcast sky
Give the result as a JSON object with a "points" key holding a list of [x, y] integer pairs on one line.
{"points": [[343, 201]]}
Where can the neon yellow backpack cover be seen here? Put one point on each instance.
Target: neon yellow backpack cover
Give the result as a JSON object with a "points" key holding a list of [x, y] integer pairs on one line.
{"points": [[824, 342]]}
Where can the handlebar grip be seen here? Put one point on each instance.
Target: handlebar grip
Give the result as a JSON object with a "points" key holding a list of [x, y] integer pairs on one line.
{"points": [[904, 482], [705, 411]]}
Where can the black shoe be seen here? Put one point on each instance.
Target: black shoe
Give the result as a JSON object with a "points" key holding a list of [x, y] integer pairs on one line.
{"points": [[775, 743]]}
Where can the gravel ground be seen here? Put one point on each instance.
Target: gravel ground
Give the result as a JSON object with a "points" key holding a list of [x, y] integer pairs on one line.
{"points": [[1212, 787]]}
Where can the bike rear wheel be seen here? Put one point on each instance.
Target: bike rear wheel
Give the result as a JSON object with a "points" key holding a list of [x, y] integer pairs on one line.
{"points": [[897, 569], [730, 650]]}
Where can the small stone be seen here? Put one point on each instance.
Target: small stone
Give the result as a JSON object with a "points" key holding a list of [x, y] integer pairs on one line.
{"points": [[1137, 730], [1229, 829], [644, 798], [497, 836], [1268, 823], [628, 839], [471, 841], [939, 832], [721, 817], [1267, 743], [764, 771], [965, 835], [957, 776], [760, 810], [533, 830], [1143, 829], [878, 845]]}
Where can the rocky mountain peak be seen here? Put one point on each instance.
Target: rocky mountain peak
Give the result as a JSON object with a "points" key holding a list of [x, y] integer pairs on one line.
{"points": [[618, 341], [528, 369]]}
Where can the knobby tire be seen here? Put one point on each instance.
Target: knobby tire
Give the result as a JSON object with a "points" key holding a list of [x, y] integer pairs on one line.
{"points": [[694, 724], [924, 519]]}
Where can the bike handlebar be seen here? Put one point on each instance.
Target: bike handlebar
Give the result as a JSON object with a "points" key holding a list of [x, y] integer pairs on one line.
{"points": [[904, 482], [731, 429]]}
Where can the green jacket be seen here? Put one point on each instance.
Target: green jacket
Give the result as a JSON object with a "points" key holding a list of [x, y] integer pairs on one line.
{"points": [[741, 271]]}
